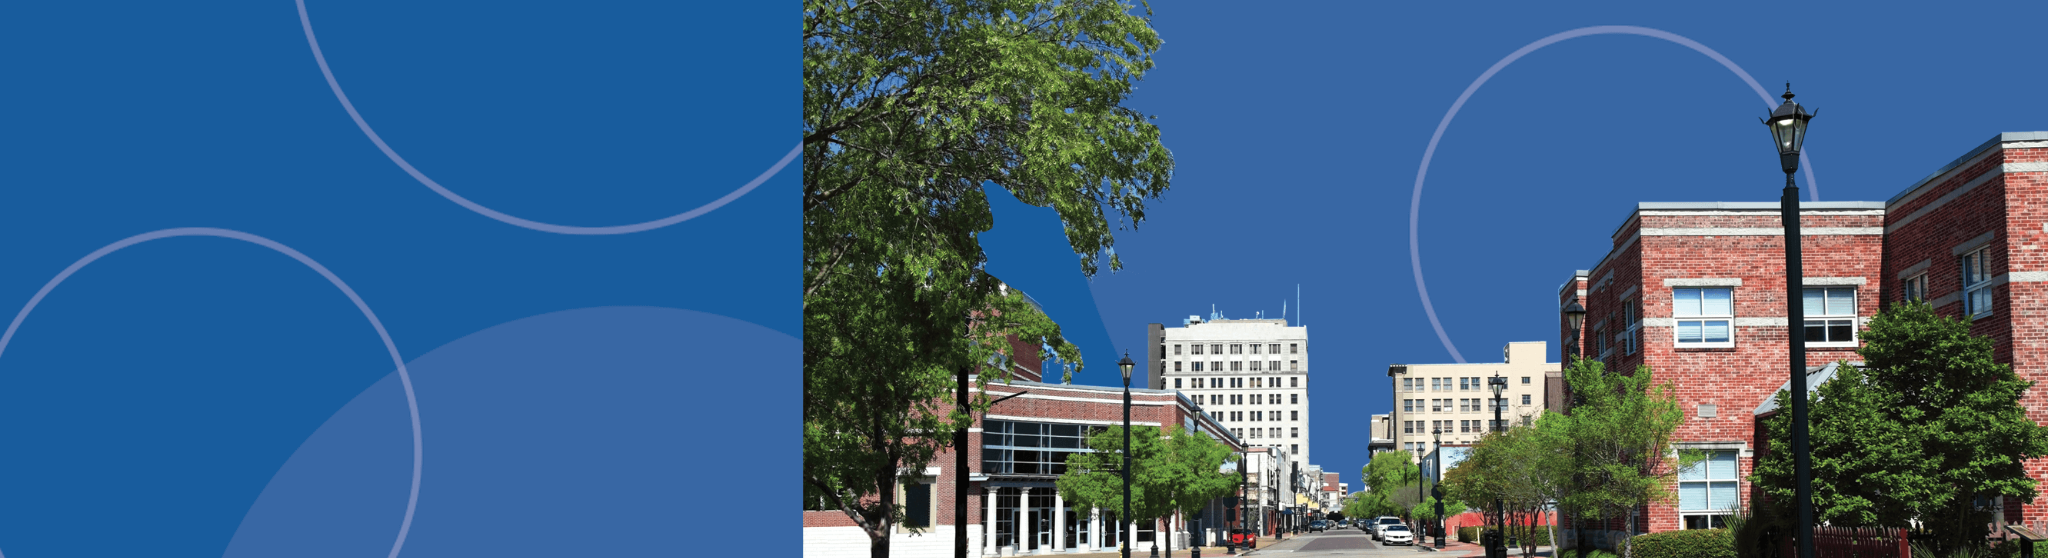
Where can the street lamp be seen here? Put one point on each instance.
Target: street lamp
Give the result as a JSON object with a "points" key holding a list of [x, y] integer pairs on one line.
{"points": [[1574, 315], [1496, 546], [1124, 519], [1788, 131], [1436, 489]]}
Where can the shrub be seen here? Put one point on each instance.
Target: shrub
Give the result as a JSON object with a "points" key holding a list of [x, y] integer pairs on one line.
{"points": [[1595, 553], [1698, 543]]}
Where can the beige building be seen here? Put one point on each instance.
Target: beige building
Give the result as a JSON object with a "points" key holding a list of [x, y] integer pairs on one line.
{"points": [[1455, 398], [1252, 375]]}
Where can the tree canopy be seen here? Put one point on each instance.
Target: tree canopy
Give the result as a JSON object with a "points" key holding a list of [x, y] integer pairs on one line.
{"points": [[914, 111], [1929, 425], [1620, 434]]}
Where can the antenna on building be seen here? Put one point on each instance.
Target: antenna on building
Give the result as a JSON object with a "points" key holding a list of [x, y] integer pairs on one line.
{"points": [[1297, 304]]}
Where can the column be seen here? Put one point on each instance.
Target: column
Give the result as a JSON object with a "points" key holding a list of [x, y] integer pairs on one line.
{"points": [[1059, 522], [1095, 529], [988, 523], [1024, 528]]}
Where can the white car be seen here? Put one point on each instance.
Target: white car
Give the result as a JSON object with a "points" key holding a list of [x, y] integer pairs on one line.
{"points": [[1396, 534], [1381, 523]]}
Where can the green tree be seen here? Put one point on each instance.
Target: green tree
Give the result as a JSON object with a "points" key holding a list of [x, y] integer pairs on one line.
{"points": [[1390, 483], [1929, 426], [1192, 474], [912, 110], [1525, 468], [1621, 428], [1095, 479]]}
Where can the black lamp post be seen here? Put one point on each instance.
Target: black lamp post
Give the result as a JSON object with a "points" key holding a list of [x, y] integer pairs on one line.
{"points": [[1124, 519], [1436, 489], [1496, 546], [1788, 130]]}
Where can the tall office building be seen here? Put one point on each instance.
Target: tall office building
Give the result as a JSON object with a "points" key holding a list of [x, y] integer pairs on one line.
{"points": [[1454, 399], [1252, 375]]}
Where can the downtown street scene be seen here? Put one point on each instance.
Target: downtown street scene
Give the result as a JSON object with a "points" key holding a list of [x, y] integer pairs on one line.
{"points": [[1065, 264]]}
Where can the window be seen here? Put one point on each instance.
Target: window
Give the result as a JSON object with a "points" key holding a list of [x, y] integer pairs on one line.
{"points": [[1525, 380], [1216, 366], [1600, 340], [917, 504], [1630, 328], [1176, 366], [1293, 448], [1709, 491], [1976, 283], [1216, 349], [1255, 348], [1176, 348], [1214, 382], [1915, 288], [1830, 315], [1436, 405], [1463, 385], [1293, 348], [1525, 399], [1704, 317], [1293, 382], [1256, 415], [1176, 383], [1255, 366], [1294, 432], [1237, 366], [1407, 405], [1294, 415], [1236, 349], [1216, 400], [1273, 348], [1407, 384], [1273, 365], [1436, 384], [1294, 398], [1195, 366], [1291, 365], [1029, 448], [1256, 398], [1236, 416], [1197, 349], [1407, 427]]}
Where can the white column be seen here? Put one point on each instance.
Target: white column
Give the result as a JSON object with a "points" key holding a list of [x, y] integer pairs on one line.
{"points": [[1059, 522], [988, 524], [1094, 529], [1024, 528]]}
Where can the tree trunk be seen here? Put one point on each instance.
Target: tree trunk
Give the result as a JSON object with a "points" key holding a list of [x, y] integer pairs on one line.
{"points": [[1628, 538], [878, 529]]}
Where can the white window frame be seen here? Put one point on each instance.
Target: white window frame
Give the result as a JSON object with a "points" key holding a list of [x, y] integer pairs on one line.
{"points": [[1829, 316], [1703, 476], [1630, 336], [1914, 287], [1976, 279], [1703, 318]]}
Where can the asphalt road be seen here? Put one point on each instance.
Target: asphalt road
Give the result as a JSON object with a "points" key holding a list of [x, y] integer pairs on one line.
{"points": [[1335, 543]]}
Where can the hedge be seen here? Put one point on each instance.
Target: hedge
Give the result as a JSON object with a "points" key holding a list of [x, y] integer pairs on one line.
{"points": [[1471, 534], [1695, 543]]}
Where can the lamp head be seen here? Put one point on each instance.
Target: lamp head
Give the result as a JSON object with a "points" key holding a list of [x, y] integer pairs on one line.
{"points": [[1788, 130], [1498, 383], [1126, 366], [1574, 315]]}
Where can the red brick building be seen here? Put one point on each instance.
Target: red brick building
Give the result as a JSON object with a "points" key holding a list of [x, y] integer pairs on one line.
{"points": [[1696, 292], [1015, 452]]}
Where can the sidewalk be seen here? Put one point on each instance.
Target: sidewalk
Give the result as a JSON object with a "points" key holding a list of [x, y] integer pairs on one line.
{"points": [[1144, 550], [1464, 549]]}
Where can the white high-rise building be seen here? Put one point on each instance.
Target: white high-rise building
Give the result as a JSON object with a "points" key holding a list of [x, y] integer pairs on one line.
{"points": [[1252, 375]]}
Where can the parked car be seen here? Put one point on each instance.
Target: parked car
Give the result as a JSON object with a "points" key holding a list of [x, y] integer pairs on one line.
{"points": [[1396, 534], [1243, 538], [1318, 527], [1382, 523]]}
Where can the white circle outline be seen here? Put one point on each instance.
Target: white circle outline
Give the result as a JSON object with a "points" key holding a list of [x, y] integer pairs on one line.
{"points": [[1415, 201], [411, 402], [306, 23]]}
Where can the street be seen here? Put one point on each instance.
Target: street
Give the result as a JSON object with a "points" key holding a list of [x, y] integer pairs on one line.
{"points": [[1337, 542]]}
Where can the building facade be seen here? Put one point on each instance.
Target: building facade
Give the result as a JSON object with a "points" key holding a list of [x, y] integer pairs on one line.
{"points": [[1454, 398], [1250, 374], [1696, 292], [1016, 451]]}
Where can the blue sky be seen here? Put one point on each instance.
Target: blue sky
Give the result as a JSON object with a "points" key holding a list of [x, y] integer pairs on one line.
{"points": [[1299, 132]]}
